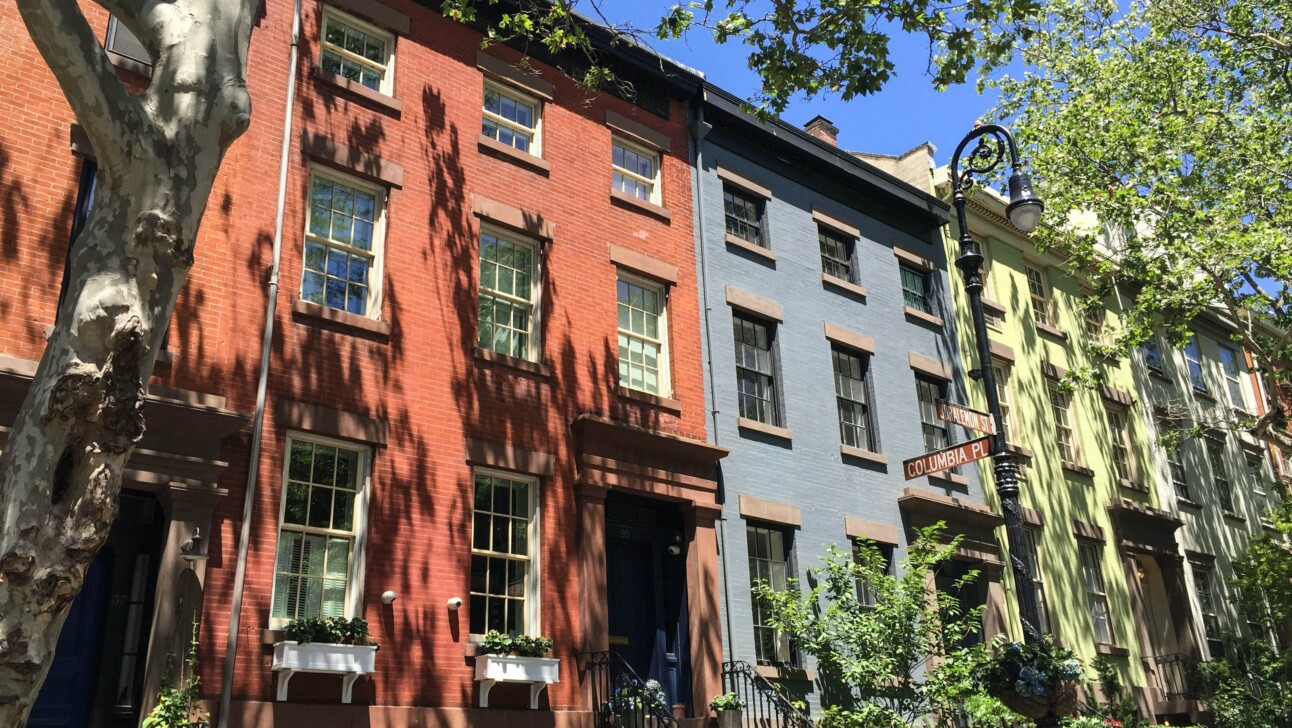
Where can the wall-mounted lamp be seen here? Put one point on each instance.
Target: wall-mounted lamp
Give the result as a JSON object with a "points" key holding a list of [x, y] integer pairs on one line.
{"points": [[388, 597], [675, 545], [455, 604], [191, 550], [1140, 572]]}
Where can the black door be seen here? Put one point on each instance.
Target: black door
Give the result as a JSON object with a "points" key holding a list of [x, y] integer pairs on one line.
{"points": [[96, 677], [646, 585]]}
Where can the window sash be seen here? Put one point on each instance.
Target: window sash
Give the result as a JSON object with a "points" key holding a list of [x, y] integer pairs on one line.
{"points": [[1038, 289], [835, 258], [1033, 559], [506, 322], [380, 68], [755, 376], [1060, 405], [768, 561], [636, 342], [866, 595], [1256, 466], [622, 174], [505, 600], [936, 433], [321, 273], [1207, 606], [915, 285], [1119, 436], [744, 216], [1152, 354], [1002, 373], [519, 131], [1233, 376], [1193, 359], [1220, 475], [853, 401], [1093, 579]]}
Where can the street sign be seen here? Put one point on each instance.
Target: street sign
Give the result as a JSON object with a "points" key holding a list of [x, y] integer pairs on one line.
{"points": [[965, 417], [945, 459]]}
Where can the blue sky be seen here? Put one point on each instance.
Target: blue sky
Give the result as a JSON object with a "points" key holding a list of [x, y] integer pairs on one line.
{"points": [[908, 111]]}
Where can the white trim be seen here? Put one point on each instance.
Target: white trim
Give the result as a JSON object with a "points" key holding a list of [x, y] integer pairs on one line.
{"points": [[387, 85], [358, 553], [533, 590], [641, 151], [662, 289], [378, 252], [536, 247], [535, 133]]}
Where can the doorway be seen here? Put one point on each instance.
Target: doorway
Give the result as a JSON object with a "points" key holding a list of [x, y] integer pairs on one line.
{"points": [[646, 588]]}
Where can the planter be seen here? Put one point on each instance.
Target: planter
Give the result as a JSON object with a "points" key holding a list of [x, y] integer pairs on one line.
{"points": [[539, 672], [348, 661], [730, 718], [1064, 702]]}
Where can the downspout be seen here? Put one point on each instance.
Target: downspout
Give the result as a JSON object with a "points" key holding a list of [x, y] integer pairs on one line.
{"points": [[258, 421], [699, 130]]}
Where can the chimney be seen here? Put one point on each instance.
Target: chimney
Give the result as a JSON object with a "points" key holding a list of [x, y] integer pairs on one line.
{"points": [[821, 128]]}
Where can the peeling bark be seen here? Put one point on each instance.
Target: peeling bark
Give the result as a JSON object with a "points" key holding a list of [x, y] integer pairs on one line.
{"points": [[158, 153]]}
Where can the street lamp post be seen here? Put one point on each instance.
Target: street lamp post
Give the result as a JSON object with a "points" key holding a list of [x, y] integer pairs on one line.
{"points": [[1024, 211]]}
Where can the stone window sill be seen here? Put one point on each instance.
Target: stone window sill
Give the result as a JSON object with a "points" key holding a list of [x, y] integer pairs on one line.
{"points": [[629, 202], [861, 454], [1019, 450], [1188, 502], [1111, 650], [1078, 469], [992, 307], [1204, 395], [1159, 374], [664, 403], [130, 64], [302, 309], [524, 365], [1232, 516], [953, 478], [785, 672], [1051, 331], [1131, 485], [745, 423], [506, 153], [748, 247], [845, 286], [383, 102], [928, 318]]}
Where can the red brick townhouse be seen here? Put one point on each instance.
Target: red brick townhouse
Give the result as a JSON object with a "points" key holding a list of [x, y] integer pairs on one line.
{"points": [[484, 404]]}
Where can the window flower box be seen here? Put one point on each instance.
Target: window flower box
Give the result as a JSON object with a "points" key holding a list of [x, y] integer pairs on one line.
{"points": [[348, 661], [539, 672]]}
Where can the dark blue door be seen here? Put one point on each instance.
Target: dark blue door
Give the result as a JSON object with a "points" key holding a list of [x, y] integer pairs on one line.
{"points": [[65, 698]]}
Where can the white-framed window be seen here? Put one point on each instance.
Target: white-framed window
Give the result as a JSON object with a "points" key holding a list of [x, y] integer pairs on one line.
{"points": [[769, 561], [1256, 466], [512, 118], [867, 595], [1095, 322], [1193, 358], [643, 335], [755, 368], [1092, 576], [345, 225], [1175, 464], [635, 170], [1220, 474], [1033, 559], [322, 521], [1061, 408], [1119, 436], [1038, 289], [504, 554], [509, 294], [1002, 373], [836, 254], [745, 215], [1202, 584], [358, 51], [852, 397], [1152, 353], [1231, 367], [915, 288], [936, 433]]}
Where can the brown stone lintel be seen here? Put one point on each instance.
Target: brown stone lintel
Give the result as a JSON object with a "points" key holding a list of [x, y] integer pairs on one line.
{"points": [[638, 131], [918, 261], [1116, 396], [664, 403], [1032, 516], [642, 263], [847, 337], [376, 13], [515, 362], [1052, 371], [636, 204], [505, 457], [949, 508], [744, 300], [918, 315], [926, 365], [1019, 450], [1051, 331], [761, 509], [1076, 469], [512, 217], [1200, 557], [744, 183], [763, 428], [325, 150], [376, 98], [646, 471], [126, 63], [848, 451], [604, 429], [508, 153], [327, 421], [739, 242], [1088, 531], [845, 286], [869, 530], [526, 81], [1002, 351], [80, 141], [184, 498], [993, 306], [307, 309], [834, 223]]}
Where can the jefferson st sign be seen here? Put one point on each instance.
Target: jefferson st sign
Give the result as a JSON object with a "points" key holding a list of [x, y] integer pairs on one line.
{"points": [[965, 417], [950, 457]]}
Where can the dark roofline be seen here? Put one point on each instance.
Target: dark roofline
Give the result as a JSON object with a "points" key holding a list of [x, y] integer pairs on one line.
{"points": [[788, 135]]}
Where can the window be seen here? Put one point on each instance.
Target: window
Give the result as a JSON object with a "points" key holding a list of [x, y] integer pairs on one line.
{"points": [[121, 41], [1039, 290], [936, 434], [511, 118], [1207, 605], [867, 595], [1230, 367], [769, 562], [509, 289], [1220, 474], [1095, 322], [744, 215], [856, 426], [1033, 561], [1194, 361], [915, 289], [357, 51], [1175, 462], [1060, 407], [1119, 436], [636, 171], [836, 254], [1001, 371], [1092, 574], [343, 237], [948, 579], [1152, 354], [643, 333], [1256, 466], [319, 533], [504, 538], [755, 370]]}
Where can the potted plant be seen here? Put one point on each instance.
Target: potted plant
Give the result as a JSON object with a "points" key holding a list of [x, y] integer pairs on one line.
{"points": [[329, 645], [632, 701], [518, 658], [1032, 679], [730, 709]]}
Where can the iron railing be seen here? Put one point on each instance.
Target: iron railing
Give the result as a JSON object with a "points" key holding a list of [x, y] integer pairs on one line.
{"points": [[765, 706], [621, 699], [1174, 673]]}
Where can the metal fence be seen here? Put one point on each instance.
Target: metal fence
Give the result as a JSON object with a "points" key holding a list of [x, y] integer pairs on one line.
{"points": [[620, 698], [765, 706]]}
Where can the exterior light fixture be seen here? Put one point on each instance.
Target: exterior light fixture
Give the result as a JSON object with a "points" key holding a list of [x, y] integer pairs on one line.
{"points": [[1024, 208]]}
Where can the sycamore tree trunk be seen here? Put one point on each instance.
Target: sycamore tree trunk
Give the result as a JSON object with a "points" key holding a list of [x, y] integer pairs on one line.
{"points": [[158, 154]]}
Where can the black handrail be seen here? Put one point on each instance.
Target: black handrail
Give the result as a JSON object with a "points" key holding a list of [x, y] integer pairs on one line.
{"points": [[765, 706], [1173, 673], [621, 699]]}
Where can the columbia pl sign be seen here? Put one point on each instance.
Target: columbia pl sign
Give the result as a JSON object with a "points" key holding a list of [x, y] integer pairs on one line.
{"points": [[966, 452]]}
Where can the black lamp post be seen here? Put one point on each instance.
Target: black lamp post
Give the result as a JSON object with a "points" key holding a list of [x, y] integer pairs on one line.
{"points": [[1024, 211]]}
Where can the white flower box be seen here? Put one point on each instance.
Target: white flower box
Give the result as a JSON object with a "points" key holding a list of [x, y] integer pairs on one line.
{"points": [[539, 672], [348, 661]]}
